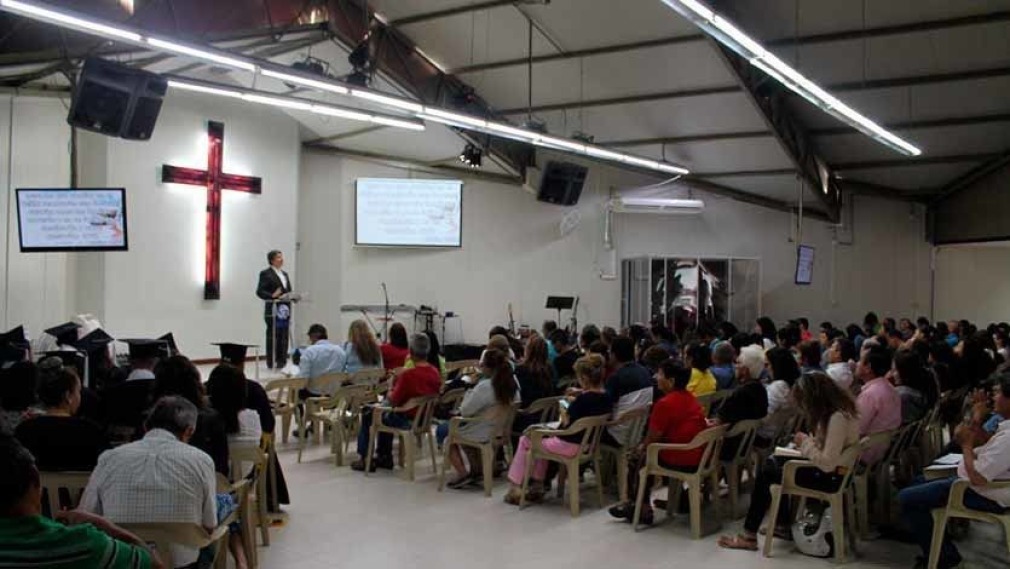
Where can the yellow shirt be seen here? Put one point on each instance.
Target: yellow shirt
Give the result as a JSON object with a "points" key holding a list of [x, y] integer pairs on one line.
{"points": [[702, 382]]}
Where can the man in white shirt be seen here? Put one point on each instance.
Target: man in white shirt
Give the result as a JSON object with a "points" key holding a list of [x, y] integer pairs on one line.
{"points": [[980, 466], [320, 359], [158, 479]]}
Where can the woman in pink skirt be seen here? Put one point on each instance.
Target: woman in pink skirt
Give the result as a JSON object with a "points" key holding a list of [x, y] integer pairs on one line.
{"points": [[592, 401]]}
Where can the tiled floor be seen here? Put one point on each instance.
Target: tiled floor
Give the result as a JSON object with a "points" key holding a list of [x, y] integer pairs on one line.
{"points": [[340, 518]]}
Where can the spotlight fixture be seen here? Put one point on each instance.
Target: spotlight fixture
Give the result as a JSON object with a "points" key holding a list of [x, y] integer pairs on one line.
{"points": [[472, 156]]}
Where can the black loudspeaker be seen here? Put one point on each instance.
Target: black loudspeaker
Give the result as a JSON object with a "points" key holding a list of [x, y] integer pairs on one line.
{"points": [[562, 183], [117, 100]]}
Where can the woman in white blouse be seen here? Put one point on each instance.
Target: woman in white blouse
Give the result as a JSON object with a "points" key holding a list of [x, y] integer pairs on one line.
{"points": [[783, 371], [229, 396]]}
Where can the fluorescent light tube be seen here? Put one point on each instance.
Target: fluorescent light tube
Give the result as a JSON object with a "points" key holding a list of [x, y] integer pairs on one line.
{"points": [[603, 154], [340, 113], [386, 100], [401, 123], [640, 162], [299, 80], [438, 115], [664, 167], [201, 54], [736, 39], [513, 132], [663, 202], [73, 21], [276, 102], [204, 89], [561, 143]]}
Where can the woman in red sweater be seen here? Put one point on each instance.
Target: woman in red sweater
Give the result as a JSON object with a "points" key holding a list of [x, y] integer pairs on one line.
{"points": [[395, 351]]}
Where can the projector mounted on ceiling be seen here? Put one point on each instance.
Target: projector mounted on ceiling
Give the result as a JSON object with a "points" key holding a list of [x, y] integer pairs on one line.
{"points": [[668, 206]]}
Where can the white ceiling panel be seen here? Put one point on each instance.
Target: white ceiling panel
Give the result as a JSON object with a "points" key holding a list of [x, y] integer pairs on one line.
{"points": [[583, 24], [784, 188], [945, 141], [721, 155]]}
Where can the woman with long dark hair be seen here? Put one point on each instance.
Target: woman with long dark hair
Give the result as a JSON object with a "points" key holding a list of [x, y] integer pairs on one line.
{"points": [[835, 421], [917, 387], [490, 401], [766, 329], [229, 394], [536, 380], [783, 372], [395, 351], [178, 376]]}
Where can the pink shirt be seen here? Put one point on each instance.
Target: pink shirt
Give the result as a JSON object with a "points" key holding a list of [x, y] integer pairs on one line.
{"points": [[879, 406]]}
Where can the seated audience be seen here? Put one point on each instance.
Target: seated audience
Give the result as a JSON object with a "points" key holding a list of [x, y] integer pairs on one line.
{"points": [[981, 464], [564, 362], [629, 387], [747, 402], [58, 438], [547, 330], [834, 417], [536, 380], [515, 350], [878, 403], [178, 376], [664, 338], [395, 351], [361, 349], [765, 328], [675, 419], [435, 357], [592, 401], [810, 356], [722, 366], [652, 357], [805, 334], [74, 540], [607, 335], [914, 384], [788, 336], [319, 359], [491, 401], [698, 358], [841, 358], [589, 336], [783, 371], [423, 379], [158, 479], [17, 394]]}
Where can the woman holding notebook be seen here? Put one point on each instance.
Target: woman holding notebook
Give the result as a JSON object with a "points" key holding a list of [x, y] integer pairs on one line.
{"points": [[833, 415]]}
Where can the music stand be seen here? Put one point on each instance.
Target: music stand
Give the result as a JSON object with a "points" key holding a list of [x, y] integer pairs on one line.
{"points": [[560, 303]]}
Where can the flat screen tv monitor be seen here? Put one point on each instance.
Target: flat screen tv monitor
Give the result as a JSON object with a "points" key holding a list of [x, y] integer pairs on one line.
{"points": [[804, 265], [408, 213], [74, 219]]}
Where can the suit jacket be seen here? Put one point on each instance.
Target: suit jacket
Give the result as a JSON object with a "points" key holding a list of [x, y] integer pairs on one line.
{"points": [[268, 283]]}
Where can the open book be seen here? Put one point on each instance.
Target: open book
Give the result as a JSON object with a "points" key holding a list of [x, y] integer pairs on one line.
{"points": [[788, 452]]}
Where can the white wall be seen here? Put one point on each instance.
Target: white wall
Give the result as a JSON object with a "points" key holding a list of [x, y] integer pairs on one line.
{"points": [[971, 283], [33, 287], [512, 252], [157, 286]]}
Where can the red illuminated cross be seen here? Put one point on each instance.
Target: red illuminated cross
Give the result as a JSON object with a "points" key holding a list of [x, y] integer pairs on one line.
{"points": [[215, 180]]}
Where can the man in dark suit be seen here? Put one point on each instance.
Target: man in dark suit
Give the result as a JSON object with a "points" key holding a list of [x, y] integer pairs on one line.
{"points": [[273, 284]]}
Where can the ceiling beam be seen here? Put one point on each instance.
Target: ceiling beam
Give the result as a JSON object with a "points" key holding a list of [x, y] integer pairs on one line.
{"points": [[771, 102], [910, 81], [927, 26], [984, 170], [860, 165], [832, 131], [862, 188], [57, 54], [746, 197], [449, 12], [414, 164]]}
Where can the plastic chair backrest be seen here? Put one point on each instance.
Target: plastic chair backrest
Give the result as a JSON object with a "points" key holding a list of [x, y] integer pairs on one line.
{"points": [[452, 398], [371, 376], [73, 482], [286, 391], [747, 431], [347, 398], [712, 439], [425, 406], [591, 428], [879, 440], [636, 420], [547, 407]]}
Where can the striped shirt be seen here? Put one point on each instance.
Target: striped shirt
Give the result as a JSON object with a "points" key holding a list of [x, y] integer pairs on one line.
{"points": [[156, 479], [30, 542]]}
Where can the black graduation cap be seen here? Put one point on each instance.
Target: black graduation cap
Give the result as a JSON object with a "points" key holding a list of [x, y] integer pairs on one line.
{"points": [[144, 348], [232, 353], [65, 333], [95, 341], [14, 346], [173, 348]]}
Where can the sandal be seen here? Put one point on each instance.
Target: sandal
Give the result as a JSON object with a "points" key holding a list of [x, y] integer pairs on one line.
{"points": [[739, 541], [512, 497]]}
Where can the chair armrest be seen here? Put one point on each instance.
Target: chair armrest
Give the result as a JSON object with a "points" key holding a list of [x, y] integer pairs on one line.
{"points": [[961, 486], [538, 435], [790, 468]]}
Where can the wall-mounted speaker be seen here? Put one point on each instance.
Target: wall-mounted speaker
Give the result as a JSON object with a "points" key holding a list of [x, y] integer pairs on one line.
{"points": [[562, 183], [117, 100]]}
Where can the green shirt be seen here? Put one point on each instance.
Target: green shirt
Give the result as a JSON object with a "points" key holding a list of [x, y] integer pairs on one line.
{"points": [[41, 542]]}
